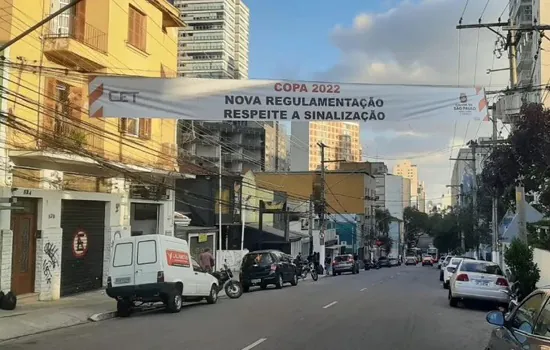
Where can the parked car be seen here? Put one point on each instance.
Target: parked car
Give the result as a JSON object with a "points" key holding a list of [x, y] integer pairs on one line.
{"points": [[394, 262], [383, 262], [525, 327], [410, 260], [441, 261], [449, 270], [427, 260], [478, 280], [156, 269], [266, 267], [443, 267], [344, 263]]}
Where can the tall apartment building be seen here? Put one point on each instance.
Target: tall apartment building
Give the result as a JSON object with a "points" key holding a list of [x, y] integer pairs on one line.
{"points": [[215, 42], [342, 139], [409, 171]]}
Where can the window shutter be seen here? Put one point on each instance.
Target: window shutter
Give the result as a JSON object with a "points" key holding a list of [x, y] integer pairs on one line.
{"points": [[80, 20], [50, 104], [75, 102], [145, 128], [123, 125], [143, 32], [131, 24]]}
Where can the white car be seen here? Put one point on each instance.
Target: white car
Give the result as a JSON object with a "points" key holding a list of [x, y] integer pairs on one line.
{"points": [[449, 270], [478, 280], [157, 268]]}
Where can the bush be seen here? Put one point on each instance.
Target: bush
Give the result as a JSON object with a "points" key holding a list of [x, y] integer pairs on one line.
{"points": [[519, 258]]}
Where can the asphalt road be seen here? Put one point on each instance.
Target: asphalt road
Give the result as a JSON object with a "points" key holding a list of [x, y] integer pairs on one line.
{"points": [[392, 308]]}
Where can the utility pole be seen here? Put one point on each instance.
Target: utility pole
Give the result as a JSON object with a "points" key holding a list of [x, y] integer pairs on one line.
{"points": [[473, 146], [323, 200], [494, 215], [310, 225], [39, 24]]}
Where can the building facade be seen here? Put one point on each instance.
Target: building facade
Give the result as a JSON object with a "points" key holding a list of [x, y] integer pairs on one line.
{"points": [[342, 138], [214, 44], [80, 181], [409, 171]]}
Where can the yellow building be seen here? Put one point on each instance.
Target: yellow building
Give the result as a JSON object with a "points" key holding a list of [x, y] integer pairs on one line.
{"points": [[81, 181], [342, 138]]}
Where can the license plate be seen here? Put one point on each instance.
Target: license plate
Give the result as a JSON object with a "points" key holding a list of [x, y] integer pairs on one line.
{"points": [[122, 280], [482, 283], [256, 281]]}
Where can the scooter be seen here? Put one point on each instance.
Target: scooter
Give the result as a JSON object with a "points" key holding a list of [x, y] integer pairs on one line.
{"points": [[233, 289]]}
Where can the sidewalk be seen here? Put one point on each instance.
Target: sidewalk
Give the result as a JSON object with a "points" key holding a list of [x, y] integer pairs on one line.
{"points": [[32, 316]]}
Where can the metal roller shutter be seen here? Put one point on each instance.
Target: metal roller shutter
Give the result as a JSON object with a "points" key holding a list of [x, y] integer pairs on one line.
{"points": [[83, 224]]}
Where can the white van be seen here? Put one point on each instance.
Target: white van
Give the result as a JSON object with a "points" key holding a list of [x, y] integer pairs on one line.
{"points": [[157, 268]]}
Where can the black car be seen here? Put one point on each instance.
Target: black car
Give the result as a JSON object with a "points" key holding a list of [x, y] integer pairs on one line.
{"points": [[384, 262], [527, 326], [265, 267]]}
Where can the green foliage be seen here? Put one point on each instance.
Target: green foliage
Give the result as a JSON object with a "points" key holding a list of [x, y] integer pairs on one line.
{"points": [[387, 243], [539, 238], [383, 219], [526, 155], [416, 223], [519, 258]]}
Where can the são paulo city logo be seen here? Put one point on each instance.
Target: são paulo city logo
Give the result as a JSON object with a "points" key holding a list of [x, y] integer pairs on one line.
{"points": [[463, 106]]}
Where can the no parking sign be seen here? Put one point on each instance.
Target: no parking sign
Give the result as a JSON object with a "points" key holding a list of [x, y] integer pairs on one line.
{"points": [[80, 244]]}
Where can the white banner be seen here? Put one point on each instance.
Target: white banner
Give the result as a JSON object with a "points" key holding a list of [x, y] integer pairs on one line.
{"points": [[268, 100]]}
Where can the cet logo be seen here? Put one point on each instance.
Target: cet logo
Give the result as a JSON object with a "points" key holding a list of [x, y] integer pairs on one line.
{"points": [[463, 98], [80, 244]]}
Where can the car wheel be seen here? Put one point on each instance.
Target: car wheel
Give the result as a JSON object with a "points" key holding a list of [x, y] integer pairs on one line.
{"points": [[353, 271], [123, 308], [333, 272], [446, 285], [246, 288], [294, 281], [174, 302], [453, 302], [212, 298], [263, 286], [280, 282]]}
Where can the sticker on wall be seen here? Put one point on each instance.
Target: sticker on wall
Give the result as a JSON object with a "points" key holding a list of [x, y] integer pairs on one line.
{"points": [[177, 258], [203, 238], [80, 244]]}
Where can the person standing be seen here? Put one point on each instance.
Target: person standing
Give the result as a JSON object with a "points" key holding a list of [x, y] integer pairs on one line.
{"points": [[206, 260]]}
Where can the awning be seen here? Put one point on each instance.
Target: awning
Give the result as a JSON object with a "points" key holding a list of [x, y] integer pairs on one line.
{"points": [[293, 235], [338, 246]]}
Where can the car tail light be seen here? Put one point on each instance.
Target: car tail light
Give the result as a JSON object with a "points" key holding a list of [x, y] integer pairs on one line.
{"points": [[109, 282], [273, 267], [502, 282], [160, 276], [462, 277], [351, 261]]}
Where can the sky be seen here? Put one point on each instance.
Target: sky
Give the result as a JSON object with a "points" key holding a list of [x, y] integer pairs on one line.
{"points": [[385, 41]]}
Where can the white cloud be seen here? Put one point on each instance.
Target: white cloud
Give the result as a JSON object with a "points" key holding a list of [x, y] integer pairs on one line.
{"points": [[417, 43]]}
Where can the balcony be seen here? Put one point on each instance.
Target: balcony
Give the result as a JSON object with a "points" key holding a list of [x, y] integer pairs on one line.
{"points": [[78, 46], [67, 135]]}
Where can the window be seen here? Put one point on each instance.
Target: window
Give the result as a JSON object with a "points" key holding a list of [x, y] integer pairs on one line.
{"points": [[147, 252], [139, 127], [196, 266], [487, 268], [137, 28], [525, 314], [542, 327], [124, 253]]}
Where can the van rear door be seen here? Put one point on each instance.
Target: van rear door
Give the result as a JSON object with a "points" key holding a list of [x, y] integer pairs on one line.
{"points": [[122, 264], [148, 262]]}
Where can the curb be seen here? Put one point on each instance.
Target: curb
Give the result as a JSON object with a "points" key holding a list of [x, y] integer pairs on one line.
{"points": [[102, 316]]}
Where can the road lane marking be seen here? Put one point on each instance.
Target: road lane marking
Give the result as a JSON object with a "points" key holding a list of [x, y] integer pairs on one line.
{"points": [[364, 289], [329, 305], [256, 343]]}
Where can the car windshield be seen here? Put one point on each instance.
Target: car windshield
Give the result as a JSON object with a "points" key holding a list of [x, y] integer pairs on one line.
{"points": [[257, 259], [481, 267], [342, 258], [455, 261]]}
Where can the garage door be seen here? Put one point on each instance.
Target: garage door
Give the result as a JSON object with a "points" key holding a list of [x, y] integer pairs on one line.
{"points": [[83, 224]]}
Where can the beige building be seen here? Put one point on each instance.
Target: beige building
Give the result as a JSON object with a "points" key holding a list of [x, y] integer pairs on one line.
{"points": [[409, 171], [342, 138], [276, 147]]}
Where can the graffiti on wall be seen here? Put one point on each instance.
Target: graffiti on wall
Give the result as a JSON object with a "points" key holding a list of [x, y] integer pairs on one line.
{"points": [[51, 261]]}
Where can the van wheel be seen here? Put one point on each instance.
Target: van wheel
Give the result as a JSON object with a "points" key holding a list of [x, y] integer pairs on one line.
{"points": [[123, 308], [279, 283], [174, 302], [212, 298]]}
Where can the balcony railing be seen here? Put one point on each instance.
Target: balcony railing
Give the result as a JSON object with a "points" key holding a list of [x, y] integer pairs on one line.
{"points": [[81, 32], [68, 136]]}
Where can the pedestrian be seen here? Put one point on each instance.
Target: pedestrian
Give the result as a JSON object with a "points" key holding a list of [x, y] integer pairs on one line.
{"points": [[328, 260], [206, 260]]}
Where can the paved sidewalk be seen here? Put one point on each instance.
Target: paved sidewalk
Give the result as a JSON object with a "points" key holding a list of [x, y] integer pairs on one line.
{"points": [[32, 316]]}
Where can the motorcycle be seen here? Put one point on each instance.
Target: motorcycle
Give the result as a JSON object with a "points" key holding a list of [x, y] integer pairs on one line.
{"points": [[308, 267], [233, 289], [513, 294]]}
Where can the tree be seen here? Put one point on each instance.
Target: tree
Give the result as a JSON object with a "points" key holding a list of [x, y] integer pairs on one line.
{"points": [[416, 223], [383, 219], [445, 231], [519, 258]]}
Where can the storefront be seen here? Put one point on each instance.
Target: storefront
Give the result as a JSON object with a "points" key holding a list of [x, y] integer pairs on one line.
{"points": [[151, 210]]}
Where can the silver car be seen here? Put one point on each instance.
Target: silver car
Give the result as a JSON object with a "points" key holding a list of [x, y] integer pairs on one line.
{"points": [[478, 280]]}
